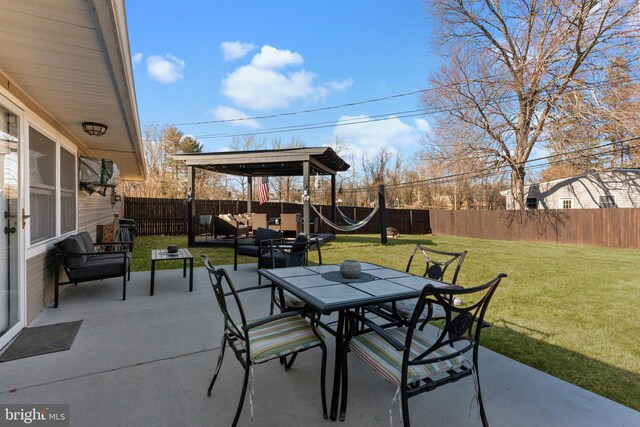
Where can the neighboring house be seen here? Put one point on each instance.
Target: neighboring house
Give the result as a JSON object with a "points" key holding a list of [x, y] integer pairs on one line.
{"points": [[613, 188], [62, 63]]}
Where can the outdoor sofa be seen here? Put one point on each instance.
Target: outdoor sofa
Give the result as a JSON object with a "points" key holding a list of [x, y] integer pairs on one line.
{"points": [[83, 260]]}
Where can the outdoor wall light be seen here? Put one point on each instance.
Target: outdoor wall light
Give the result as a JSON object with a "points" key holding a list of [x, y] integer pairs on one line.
{"points": [[94, 129]]}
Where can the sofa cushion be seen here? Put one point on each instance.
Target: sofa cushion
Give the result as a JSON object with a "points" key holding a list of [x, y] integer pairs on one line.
{"points": [[280, 259], [74, 245], [88, 242], [99, 266], [248, 250], [227, 217]]}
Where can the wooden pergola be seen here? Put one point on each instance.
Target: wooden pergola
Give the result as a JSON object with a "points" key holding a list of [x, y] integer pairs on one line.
{"points": [[303, 162]]}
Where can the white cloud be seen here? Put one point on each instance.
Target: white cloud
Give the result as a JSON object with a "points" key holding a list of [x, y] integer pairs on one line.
{"points": [[272, 58], [423, 125], [338, 86], [235, 50], [262, 84], [224, 112], [262, 89], [136, 58], [367, 137], [167, 69]]}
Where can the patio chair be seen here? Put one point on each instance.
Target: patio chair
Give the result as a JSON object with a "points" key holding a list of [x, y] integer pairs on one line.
{"points": [[436, 264], [416, 361], [263, 339], [290, 224], [255, 246], [259, 220], [226, 225], [288, 254], [78, 257]]}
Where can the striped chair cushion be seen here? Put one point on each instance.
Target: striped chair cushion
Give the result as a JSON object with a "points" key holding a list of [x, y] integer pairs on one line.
{"points": [[387, 361], [406, 307], [281, 337]]}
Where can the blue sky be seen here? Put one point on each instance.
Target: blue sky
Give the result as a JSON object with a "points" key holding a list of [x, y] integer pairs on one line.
{"points": [[209, 60]]}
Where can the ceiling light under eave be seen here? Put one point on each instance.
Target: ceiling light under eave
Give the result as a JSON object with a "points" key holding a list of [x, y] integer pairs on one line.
{"points": [[94, 129]]}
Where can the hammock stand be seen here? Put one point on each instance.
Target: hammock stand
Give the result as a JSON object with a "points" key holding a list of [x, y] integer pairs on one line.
{"points": [[353, 225]]}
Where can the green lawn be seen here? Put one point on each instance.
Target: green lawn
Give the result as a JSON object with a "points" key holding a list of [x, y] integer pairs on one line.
{"points": [[564, 309]]}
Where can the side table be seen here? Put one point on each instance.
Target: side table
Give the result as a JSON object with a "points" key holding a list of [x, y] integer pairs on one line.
{"points": [[163, 255]]}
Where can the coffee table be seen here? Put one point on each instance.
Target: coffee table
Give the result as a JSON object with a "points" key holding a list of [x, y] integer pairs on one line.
{"points": [[162, 255]]}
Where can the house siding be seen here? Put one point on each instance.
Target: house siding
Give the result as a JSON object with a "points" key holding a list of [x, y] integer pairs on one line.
{"points": [[95, 209], [92, 210], [585, 190], [40, 283]]}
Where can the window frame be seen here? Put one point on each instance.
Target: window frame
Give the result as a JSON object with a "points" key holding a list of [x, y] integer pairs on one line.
{"points": [[566, 199], [59, 143]]}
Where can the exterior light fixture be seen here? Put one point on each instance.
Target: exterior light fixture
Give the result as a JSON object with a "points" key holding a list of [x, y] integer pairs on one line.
{"points": [[94, 129]]}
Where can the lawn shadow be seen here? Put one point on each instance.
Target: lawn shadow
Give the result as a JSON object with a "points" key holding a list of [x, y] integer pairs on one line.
{"points": [[375, 239], [530, 346]]}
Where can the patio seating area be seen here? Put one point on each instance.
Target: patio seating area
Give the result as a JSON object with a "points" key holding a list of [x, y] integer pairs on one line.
{"points": [[149, 360]]}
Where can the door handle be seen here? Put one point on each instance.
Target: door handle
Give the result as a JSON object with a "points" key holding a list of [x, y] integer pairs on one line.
{"points": [[24, 219]]}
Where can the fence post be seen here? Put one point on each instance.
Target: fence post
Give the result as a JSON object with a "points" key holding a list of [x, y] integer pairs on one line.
{"points": [[410, 221], [383, 215]]}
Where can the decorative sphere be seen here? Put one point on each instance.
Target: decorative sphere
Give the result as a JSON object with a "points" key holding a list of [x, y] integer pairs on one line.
{"points": [[457, 302], [172, 249], [350, 269]]}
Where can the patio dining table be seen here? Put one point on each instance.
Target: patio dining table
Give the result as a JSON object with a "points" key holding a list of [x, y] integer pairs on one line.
{"points": [[325, 291]]}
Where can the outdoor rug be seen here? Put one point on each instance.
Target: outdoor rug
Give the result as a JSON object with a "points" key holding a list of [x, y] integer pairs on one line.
{"points": [[42, 340]]}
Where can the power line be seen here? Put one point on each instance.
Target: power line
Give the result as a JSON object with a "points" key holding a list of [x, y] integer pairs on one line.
{"points": [[489, 79], [385, 116], [498, 169]]}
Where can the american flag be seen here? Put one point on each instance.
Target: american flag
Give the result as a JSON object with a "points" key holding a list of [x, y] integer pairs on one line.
{"points": [[263, 190]]}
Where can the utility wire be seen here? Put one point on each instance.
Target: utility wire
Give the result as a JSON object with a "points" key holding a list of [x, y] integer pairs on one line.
{"points": [[506, 168], [372, 100], [495, 170]]}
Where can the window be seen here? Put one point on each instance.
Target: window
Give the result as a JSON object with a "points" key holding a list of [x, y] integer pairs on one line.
{"points": [[532, 203], [67, 191], [42, 181], [566, 203], [607, 202], [52, 188]]}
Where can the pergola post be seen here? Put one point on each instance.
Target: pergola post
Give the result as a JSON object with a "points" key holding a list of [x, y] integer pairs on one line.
{"points": [[306, 212], [333, 202], [250, 193], [191, 205]]}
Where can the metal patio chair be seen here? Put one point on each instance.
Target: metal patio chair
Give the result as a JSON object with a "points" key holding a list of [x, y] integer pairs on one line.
{"points": [[416, 361], [263, 339], [436, 266], [288, 254]]}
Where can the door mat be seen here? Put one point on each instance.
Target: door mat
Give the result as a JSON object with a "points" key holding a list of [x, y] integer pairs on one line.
{"points": [[42, 340]]}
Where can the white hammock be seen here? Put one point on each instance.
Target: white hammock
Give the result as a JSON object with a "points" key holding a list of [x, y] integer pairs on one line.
{"points": [[346, 218], [353, 225]]}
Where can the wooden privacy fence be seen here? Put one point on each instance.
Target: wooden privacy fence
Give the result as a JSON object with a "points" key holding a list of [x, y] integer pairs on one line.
{"points": [[169, 216], [619, 227]]}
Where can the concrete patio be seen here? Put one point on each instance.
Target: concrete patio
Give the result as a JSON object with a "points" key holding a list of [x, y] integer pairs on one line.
{"points": [[148, 361]]}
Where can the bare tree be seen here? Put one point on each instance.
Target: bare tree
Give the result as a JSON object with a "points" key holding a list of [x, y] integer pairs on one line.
{"points": [[245, 143], [285, 185], [375, 169], [165, 177], [508, 63]]}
